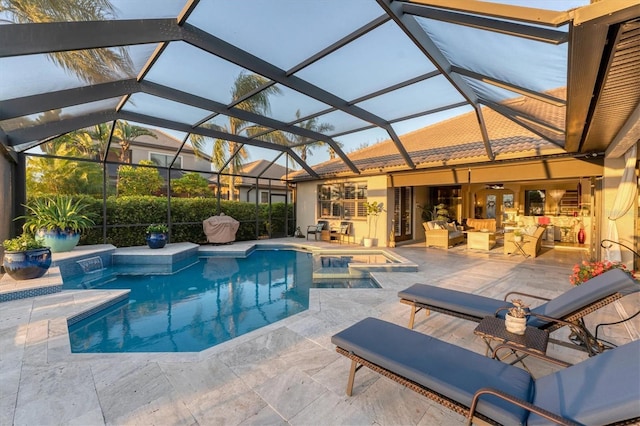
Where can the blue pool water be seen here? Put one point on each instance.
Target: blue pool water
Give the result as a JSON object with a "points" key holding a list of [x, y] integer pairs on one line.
{"points": [[209, 301]]}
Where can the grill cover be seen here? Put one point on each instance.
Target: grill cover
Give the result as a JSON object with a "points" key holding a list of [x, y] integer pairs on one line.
{"points": [[220, 229]]}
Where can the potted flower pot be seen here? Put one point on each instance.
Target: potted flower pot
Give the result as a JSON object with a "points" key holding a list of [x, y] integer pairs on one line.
{"points": [[26, 258], [515, 321], [157, 236], [515, 325], [58, 221], [517, 236], [59, 240]]}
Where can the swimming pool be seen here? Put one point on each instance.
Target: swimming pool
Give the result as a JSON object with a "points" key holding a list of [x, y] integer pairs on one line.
{"points": [[206, 301]]}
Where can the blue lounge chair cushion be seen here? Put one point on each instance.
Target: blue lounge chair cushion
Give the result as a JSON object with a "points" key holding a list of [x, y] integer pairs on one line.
{"points": [[453, 300], [450, 370], [599, 287], [603, 389]]}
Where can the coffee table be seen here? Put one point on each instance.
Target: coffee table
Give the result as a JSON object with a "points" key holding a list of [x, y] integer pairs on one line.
{"points": [[480, 240]]}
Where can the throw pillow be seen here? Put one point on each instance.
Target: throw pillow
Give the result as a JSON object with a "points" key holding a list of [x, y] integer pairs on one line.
{"points": [[530, 230]]}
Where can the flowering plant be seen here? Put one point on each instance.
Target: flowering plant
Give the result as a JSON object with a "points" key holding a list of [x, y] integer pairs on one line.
{"points": [[584, 271]]}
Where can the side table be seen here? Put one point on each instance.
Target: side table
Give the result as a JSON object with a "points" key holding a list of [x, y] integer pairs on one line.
{"points": [[492, 329], [519, 248]]}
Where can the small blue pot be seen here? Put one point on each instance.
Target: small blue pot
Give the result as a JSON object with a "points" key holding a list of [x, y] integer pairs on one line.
{"points": [[156, 240], [27, 265]]}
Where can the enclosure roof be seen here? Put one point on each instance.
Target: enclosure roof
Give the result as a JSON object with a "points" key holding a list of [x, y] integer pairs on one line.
{"points": [[435, 81]]}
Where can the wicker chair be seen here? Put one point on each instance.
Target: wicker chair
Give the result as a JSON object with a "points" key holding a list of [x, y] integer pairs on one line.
{"points": [[568, 309], [601, 390], [344, 232], [530, 245], [316, 230]]}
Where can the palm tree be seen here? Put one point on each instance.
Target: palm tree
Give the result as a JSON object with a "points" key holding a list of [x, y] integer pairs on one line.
{"points": [[311, 124], [125, 134], [223, 149], [90, 65], [101, 134]]}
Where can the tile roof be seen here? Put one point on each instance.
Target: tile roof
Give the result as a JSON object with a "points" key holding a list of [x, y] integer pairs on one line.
{"points": [[457, 140]]}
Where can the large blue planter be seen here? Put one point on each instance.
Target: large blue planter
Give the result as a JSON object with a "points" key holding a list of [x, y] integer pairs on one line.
{"points": [[156, 240], [26, 265], [58, 240]]}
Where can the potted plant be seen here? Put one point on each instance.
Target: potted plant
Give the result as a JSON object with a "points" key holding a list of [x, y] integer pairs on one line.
{"points": [[58, 221], [516, 318], [373, 211], [26, 257], [440, 212], [157, 235], [517, 235]]}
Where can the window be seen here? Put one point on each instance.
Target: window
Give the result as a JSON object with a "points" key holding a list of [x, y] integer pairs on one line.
{"points": [[342, 200], [534, 202], [164, 160], [264, 197]]}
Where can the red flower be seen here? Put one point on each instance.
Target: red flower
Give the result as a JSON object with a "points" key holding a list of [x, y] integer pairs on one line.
{"points": [[584, 271]]}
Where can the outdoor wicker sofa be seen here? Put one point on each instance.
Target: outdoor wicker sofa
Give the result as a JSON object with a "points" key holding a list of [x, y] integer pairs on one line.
{"points": [[600, 390], [439, 233], [568, 309]]}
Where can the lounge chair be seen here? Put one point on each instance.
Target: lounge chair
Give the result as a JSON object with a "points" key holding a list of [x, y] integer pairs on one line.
{"points": [[567, 309], [601, 390]]}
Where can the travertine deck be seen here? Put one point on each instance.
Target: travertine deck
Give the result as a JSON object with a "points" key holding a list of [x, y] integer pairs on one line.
{"points": [[287, 373]]}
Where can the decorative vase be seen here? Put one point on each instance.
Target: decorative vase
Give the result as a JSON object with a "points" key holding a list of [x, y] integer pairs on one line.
{"points": [[367, 242], [27, 265], [59, 240], [515, 325], [156, 240], [582, 236], [517, 238]]}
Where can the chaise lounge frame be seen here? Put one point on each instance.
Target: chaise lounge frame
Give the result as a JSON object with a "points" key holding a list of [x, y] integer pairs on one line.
{"points": [[373, 339], [358, 362], [586, 341]]}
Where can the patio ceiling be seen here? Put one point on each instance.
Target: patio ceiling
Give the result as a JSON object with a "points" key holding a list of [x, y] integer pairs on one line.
{"points": [[362, 70]]}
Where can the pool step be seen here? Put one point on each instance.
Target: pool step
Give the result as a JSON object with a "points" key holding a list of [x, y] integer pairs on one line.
{"points": [[49, 283]]}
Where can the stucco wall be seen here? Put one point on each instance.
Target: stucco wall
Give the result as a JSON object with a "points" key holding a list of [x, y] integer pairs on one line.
{"points": [[307, 196]]}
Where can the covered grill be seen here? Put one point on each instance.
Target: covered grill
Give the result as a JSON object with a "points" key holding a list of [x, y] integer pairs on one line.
{"points": [[220, 229]]}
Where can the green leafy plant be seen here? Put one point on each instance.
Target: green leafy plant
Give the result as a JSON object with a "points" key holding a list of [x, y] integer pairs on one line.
{"points": [[24, 242], [59, 212], [517, 233], [157, 228], [373, 211]]}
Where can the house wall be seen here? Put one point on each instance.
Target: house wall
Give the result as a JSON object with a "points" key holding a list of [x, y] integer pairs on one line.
{"points": [[189, 161], [379, 189], [248, 194], [307, 207]]}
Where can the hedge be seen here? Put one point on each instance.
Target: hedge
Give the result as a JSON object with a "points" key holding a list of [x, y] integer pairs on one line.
{"points": [[127, 218]]}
